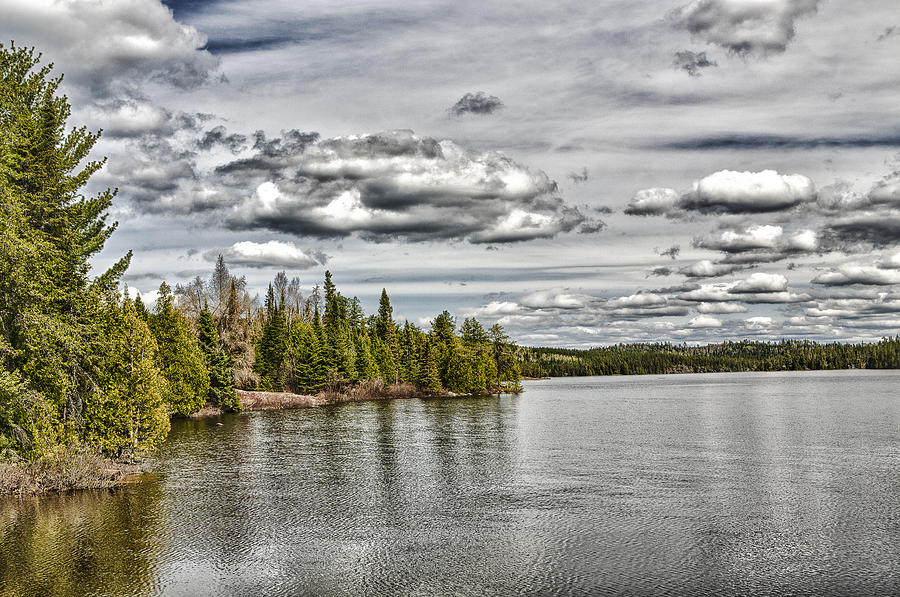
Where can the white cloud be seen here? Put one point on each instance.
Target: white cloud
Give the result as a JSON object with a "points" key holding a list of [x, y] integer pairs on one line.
{"points": [[104, 45], [858, 274], [759, 288], [652, 202], [268, 254], [553, 299], [704, 321], [759, 323], [753, 237], [395, 185], [761, 282], [728, 191], [707, 269], [720, 308], [890, 262]]}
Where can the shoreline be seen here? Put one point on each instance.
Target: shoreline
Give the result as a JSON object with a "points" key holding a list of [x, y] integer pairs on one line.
{"points": [[254, 401], [73, 469], [67, 471]]}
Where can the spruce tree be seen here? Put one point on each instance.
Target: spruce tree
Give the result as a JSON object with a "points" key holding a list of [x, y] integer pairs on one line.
{"points": [[310, 371], [49, 304], [271, 348], [386, 330], [366, 367]]}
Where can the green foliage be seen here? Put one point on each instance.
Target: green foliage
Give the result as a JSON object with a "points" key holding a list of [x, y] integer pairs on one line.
{"points": [[272, 345], [366, 367], [129, 413], [49, 306], [178, 356], [310, 371], [429, 379], [218, 364]]}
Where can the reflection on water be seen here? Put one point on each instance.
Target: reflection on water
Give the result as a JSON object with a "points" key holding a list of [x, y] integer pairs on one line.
{"points": [[779, 483], [84, 543]]}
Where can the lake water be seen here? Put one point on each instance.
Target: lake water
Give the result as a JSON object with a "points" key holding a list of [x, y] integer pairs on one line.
{"points": [[765, 483]]}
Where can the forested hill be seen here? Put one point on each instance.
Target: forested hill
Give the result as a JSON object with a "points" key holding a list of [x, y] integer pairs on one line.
{"points": [[641, 359]]}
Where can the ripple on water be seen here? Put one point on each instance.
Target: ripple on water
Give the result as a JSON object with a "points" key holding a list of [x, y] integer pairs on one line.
{"points": [[739, 484]]}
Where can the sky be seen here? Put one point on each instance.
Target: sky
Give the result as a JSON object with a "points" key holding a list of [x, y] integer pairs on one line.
{"points": [[583, 173]]}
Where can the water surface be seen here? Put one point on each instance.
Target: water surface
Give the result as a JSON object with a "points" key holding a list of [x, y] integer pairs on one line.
{"points": [[756, 483]]}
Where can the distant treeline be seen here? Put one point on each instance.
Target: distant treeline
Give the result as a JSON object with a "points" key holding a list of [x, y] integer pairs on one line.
{"points": [[644, 359]]}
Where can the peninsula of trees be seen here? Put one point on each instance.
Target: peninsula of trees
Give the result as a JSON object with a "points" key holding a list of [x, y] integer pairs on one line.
{"points": [[84, 367]]}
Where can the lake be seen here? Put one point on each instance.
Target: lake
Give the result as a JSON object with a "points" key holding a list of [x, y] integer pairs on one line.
{"points": [[744, 483]]}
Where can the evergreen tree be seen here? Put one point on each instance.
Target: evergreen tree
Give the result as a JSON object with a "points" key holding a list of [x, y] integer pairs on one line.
{"points": [[271, 348], [366, 367], [310, 370], [429, 379], [384, 360], [472, 332], [128, 414], [218, 364], [386, 330], [178, 356], [49, 306]]}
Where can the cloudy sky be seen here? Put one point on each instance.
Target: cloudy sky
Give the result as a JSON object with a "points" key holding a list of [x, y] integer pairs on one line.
{"points": [[585, 173]]}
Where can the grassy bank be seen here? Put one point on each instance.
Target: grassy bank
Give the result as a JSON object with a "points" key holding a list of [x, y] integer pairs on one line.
{"points": [[64, 470]]}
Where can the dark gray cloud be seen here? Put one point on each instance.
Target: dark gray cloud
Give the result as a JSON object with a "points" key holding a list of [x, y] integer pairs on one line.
{"points": [[579, 177], [672, 252], [869, 229], [692, 62], [222, 46], [476, 103], [780, 142], [218, 137], [660, 272], [152, 173], [744, 26], [888, 32]]}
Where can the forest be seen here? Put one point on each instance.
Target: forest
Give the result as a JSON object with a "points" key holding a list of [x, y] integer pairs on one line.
{"points": [[85, 367], [648, 359]]}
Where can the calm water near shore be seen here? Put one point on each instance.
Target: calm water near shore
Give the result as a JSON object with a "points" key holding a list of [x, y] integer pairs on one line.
{"points": [[749, 483]]}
